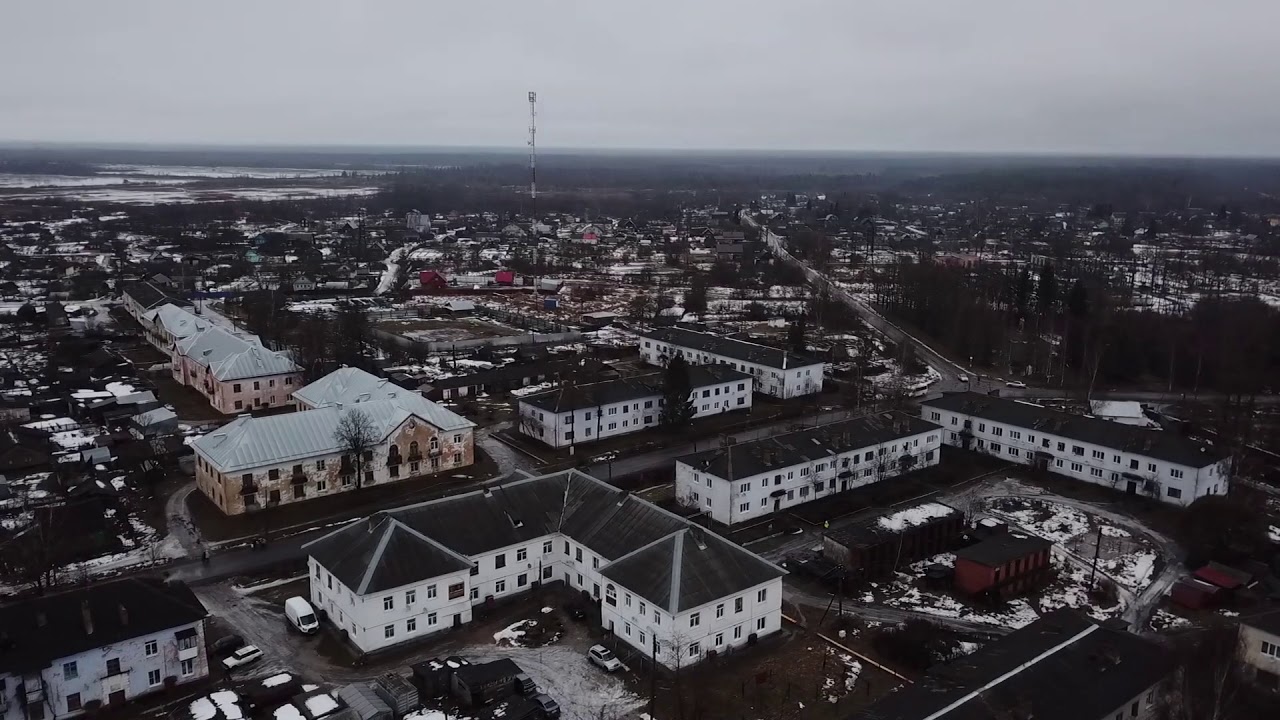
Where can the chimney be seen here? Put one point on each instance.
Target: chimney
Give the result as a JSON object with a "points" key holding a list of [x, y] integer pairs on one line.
{"points": [[87, 617], [124, 614]]}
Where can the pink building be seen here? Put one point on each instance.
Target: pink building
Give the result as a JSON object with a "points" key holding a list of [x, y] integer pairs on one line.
{"points": [[234, 371]]}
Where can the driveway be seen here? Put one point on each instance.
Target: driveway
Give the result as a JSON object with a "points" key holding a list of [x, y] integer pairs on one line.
{"points": [[583, 691]]}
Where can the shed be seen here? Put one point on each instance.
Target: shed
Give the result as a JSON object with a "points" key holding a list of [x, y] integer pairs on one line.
{"points": [[879, 545], [1223, 576], [1004, 565], [599, 319], [504, 277], [365, 702], [397, 692], [1194, 594], [458, 307], [434, 677], [482, 684], [432, 279]]}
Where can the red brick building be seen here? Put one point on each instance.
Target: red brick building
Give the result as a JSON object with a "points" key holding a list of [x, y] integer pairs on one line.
{"points": [[1003, 565]]}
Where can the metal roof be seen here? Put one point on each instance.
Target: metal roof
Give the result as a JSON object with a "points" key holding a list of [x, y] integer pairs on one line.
{"points": [[730, 347], [177, 321], [607, 392], [348, 385], [1131, 439], [233, 356]]}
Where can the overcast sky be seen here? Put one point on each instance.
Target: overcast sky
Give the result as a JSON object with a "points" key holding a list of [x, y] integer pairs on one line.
{"points": [[1111, 76]]}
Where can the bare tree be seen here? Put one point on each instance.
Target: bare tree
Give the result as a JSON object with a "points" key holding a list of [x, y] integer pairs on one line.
{"points": [[1209, 683], [356, 436]]}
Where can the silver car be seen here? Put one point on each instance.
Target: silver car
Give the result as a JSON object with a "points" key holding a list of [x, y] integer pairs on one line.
{"points": [[604, 658]]}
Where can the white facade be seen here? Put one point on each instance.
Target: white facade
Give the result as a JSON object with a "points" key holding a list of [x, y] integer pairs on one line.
{"points": [[382, 619], [783, 383], [1132, 472], [691, 636], [752, 496], [116, 672], [620, 418], [1260, 650]]}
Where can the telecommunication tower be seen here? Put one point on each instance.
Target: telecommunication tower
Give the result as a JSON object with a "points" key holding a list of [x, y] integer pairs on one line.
{"points": [[533, 152]]}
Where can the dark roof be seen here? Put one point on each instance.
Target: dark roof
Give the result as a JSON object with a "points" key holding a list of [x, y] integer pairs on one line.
{"points": [[149, 296], [582, 397], [688, 569], [484, 673], [997, 550], [40, 630], [1063, 666], [728, 347], [1117, 436], [610, 522], [871, 531], [587, 367], [772, 453], [1268, 622], [381, 553]]}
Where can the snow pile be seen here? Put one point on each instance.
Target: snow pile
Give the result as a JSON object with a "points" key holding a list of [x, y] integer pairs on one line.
{"points": [[512, 634], [533, 389], [275, 680], [1115, 532], [320, 705], [206, 708], [1132, 571], [288, 712], [914, 516], [547, 610]]}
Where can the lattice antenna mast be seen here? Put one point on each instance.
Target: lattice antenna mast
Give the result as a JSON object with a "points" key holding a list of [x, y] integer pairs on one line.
{"points": [[533, 154]]}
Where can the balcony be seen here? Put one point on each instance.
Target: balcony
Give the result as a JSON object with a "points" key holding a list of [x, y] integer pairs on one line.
{"points": [[298, 478], [393, 460], [434, 452], [415, 457], [250, 489]]}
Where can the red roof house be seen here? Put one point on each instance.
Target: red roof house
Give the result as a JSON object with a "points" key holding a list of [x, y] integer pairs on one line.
{"points": [[432, 279]]}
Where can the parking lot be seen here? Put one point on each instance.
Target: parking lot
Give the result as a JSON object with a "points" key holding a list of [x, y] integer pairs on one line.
{"points": [[560, 668]]}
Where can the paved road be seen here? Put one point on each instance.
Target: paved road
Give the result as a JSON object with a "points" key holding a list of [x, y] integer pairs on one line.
{"points": [[666, 456]]}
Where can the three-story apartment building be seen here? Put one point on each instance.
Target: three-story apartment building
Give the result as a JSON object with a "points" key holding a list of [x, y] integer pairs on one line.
{"points": [[1162, 465], [234, 371]]}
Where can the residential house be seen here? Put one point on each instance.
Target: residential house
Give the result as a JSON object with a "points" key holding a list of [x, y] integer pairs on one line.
{"points": [[744, 481], [71, 652], [779, 373], [1003, 565], [142, 296], [576, 414], [256, 462], [667, 587], [234, 371], [1064, 665], [1165, 466], [1260, 648], [165, 325]]}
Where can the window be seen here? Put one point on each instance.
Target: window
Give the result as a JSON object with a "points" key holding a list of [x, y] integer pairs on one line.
{"points": [[935, 416], [153, 678], [455, 591], [457, 458], [1270, 649], [1175, 473], [657, 619], [1013, 451], [997, 431], [73, 702], [720, 610], [1077, 450], [388, 603], [1173, 492], [995, 447], [389, 631], [1096, 472], [760, 623], [1151, 467], [500, 586], [273, 474], [695, 619], [744, 507], [546, 572], [522, 579], [235, 388], [694, 649], [546, 547], [1077, 467], [737, 605], [611, 595], [475, 593], [577, 554], [411, 625], [762, 594], [257, 385], [187, 667], [499, 561], [737, 632], [640, 636], [982, 427], [412, 595], [151, 648], [70, 671], [321, 485], [1099, 455], [1013, 435], [1133, 464]]}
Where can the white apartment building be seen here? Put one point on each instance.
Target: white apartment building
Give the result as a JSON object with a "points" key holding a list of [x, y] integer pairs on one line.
{"points": [[1161, 465], [748, 480], [406, 574], [578, 414], [100, 646], [778, 373], [1260, 648]]}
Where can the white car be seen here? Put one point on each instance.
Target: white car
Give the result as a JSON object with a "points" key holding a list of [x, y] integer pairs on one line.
{"points": [[604, 658], [962, 378], [1015, 384], [244, 656]]}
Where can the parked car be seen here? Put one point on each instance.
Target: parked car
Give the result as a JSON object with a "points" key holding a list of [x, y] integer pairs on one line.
{"points": [[604, 658], [227, 645], [1015, 384], [525, 685], [962, 378], [300, 615], [243, 656], [550, 708]]}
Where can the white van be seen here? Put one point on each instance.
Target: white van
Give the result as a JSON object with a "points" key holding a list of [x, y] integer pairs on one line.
{"points": [[300, 615]]}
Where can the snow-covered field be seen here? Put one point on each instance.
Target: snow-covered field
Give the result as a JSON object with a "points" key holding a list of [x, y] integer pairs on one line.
{"points": [[144, 195]]}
